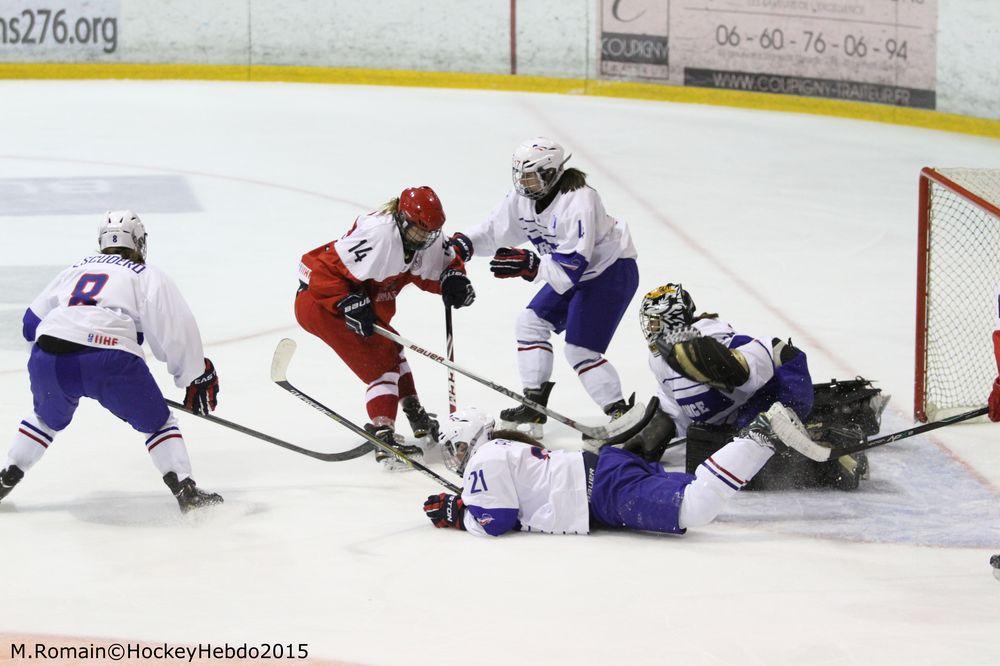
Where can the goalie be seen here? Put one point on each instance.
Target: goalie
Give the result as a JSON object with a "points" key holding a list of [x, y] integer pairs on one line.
{"points": [[714, 381]]}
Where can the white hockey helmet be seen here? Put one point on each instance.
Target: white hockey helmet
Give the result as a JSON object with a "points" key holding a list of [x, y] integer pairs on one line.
{"points": [[122, 228], [537, 165], [461, 434], [667, 313]]}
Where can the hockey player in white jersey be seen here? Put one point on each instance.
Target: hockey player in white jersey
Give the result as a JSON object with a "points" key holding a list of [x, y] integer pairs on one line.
{"points": [[512, 483], [88, 326], [586, 260]]}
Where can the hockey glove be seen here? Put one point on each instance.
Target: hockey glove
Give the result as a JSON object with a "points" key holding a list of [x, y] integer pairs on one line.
{"points": [[707, 361], [202, 394], [456, 289], [462, 245], [511, 262], [995, 401], [445, 510], [358, 314]]}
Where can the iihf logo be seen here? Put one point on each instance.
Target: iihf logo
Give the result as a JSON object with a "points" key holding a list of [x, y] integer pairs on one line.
{"points": [[103, 340]]}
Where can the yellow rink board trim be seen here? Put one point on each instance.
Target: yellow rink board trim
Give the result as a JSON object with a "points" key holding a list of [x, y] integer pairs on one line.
{"points": [[646, 91]]}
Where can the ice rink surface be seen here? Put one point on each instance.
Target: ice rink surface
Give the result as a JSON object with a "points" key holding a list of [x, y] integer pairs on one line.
{"points": [[786, 225]]}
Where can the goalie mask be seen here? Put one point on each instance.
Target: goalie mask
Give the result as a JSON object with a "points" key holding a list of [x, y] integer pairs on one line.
{"points": [[461, 434], [667, 313], [122, 228], [420, 217], [537, 166]]}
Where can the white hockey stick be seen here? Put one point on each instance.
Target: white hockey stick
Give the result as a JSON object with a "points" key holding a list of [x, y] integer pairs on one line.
{"points": [[591, 432]]}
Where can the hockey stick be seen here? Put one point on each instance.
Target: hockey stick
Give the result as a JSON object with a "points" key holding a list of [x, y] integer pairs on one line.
{"points": [[834, 453], [279, 375], [450, 342], [903, 434], [598, 432], [351, 454]]}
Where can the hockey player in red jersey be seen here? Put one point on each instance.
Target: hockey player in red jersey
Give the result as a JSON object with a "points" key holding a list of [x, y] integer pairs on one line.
{"points": [[350, 284], [994, 400]]}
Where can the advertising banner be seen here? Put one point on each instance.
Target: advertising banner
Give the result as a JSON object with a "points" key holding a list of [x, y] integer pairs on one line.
{"points": [[58, 30], [881, 51]]}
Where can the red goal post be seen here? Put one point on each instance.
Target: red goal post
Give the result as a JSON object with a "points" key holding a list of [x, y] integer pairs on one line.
{"points": [[958, 272]]}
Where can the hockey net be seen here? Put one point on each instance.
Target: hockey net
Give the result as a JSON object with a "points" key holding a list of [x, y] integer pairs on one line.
{"points": [[958, 272]]}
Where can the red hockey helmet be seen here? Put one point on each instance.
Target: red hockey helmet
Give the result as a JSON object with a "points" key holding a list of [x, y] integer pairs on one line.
{"points": [[420, 217]]}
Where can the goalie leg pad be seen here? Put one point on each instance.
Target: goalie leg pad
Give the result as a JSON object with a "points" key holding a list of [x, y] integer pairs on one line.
{"points": [[847, 404], [702, 441]]}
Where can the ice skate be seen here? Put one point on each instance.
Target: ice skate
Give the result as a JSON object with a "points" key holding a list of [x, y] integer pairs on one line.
{"points": [[424, 425], [9, 478], [190, 496], [525, 419], [620, 408], [780, 427], [393, 463]]}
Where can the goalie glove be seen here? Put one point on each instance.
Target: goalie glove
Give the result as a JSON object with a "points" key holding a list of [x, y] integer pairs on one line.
{"points": [[445, 510], [707, 361]]}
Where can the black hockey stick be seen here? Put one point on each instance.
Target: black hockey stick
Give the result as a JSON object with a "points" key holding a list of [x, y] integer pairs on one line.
{"points": [[450, 344], [598, 432], [279, 375], [341, 456], [824, 453], [903, 434]]}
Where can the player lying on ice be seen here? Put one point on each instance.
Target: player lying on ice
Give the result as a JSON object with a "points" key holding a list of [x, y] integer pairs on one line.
{"points": [[512, 483], [348, 285], [713, 381], [587, 265], [88, 327]]}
